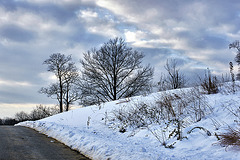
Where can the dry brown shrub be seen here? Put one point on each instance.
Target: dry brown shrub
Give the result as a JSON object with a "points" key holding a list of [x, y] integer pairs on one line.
{"points": [[230, 138]]}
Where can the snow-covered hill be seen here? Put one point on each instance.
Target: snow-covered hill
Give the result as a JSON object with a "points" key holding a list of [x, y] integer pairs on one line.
{"points": [[97, 132]]}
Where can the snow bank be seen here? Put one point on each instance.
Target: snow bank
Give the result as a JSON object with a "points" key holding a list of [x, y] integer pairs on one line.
{"points": [[87, 131]]}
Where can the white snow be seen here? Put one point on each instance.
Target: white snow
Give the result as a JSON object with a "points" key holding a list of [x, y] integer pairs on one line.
{"points": [[88, 131]]}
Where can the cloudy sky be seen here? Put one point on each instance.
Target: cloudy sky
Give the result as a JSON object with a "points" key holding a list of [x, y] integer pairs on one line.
{"points": [[196, 32]]}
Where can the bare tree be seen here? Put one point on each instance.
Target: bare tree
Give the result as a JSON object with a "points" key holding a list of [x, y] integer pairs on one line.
{"points": [[113, 72], [67, 76], [232, 76], [236, 45], [174, 79]]}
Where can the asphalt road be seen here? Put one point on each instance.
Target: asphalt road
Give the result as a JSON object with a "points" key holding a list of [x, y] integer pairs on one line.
{"points": [[21, 143]]}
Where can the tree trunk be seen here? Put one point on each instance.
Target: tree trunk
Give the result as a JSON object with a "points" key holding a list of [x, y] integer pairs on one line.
{"points": [[115, 88], [67, 98], [61, 95]]}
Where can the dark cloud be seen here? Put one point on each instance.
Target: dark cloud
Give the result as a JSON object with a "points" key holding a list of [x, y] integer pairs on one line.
{"points": [[10, 5], [14, 94], [60, 14], [211, 42], [16, 33], [155, 55]]}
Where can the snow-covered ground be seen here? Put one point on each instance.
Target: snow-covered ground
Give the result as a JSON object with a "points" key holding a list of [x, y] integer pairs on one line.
{"points": [[89, 131]]}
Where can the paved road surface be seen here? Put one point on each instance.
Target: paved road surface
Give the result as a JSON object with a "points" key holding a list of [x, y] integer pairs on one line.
{"points": [[21, 143]]}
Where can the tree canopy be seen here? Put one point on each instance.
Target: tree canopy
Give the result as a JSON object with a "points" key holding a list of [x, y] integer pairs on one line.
{"points": [[64, 90], [112, 72]]}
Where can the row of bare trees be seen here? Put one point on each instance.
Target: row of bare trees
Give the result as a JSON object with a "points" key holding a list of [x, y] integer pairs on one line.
{"points": [[39, 112], [112, 72]]}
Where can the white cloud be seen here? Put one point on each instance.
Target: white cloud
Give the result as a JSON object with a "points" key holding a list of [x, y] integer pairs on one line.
{"points": [[133, 36], [48, 77], [103, 25], [201, 29], [88, 14], [15, 83], [9, 110]]}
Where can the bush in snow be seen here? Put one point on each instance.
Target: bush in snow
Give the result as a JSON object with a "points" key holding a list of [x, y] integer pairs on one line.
{"points": [[165, 118], [136, 116], [230, 138], [182, 108], [210, 83]]}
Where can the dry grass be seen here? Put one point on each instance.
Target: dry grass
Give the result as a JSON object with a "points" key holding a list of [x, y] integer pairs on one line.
{"points": [[230, 138]]}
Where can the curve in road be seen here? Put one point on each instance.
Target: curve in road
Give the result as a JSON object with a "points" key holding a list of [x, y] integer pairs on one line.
{"points": [[21, 143]]}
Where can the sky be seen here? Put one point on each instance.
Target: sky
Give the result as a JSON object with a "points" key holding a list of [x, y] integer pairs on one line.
{"points": [[194, 32]]}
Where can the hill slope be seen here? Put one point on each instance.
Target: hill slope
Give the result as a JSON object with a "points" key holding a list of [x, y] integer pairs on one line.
{"points": [[106, 131]]}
